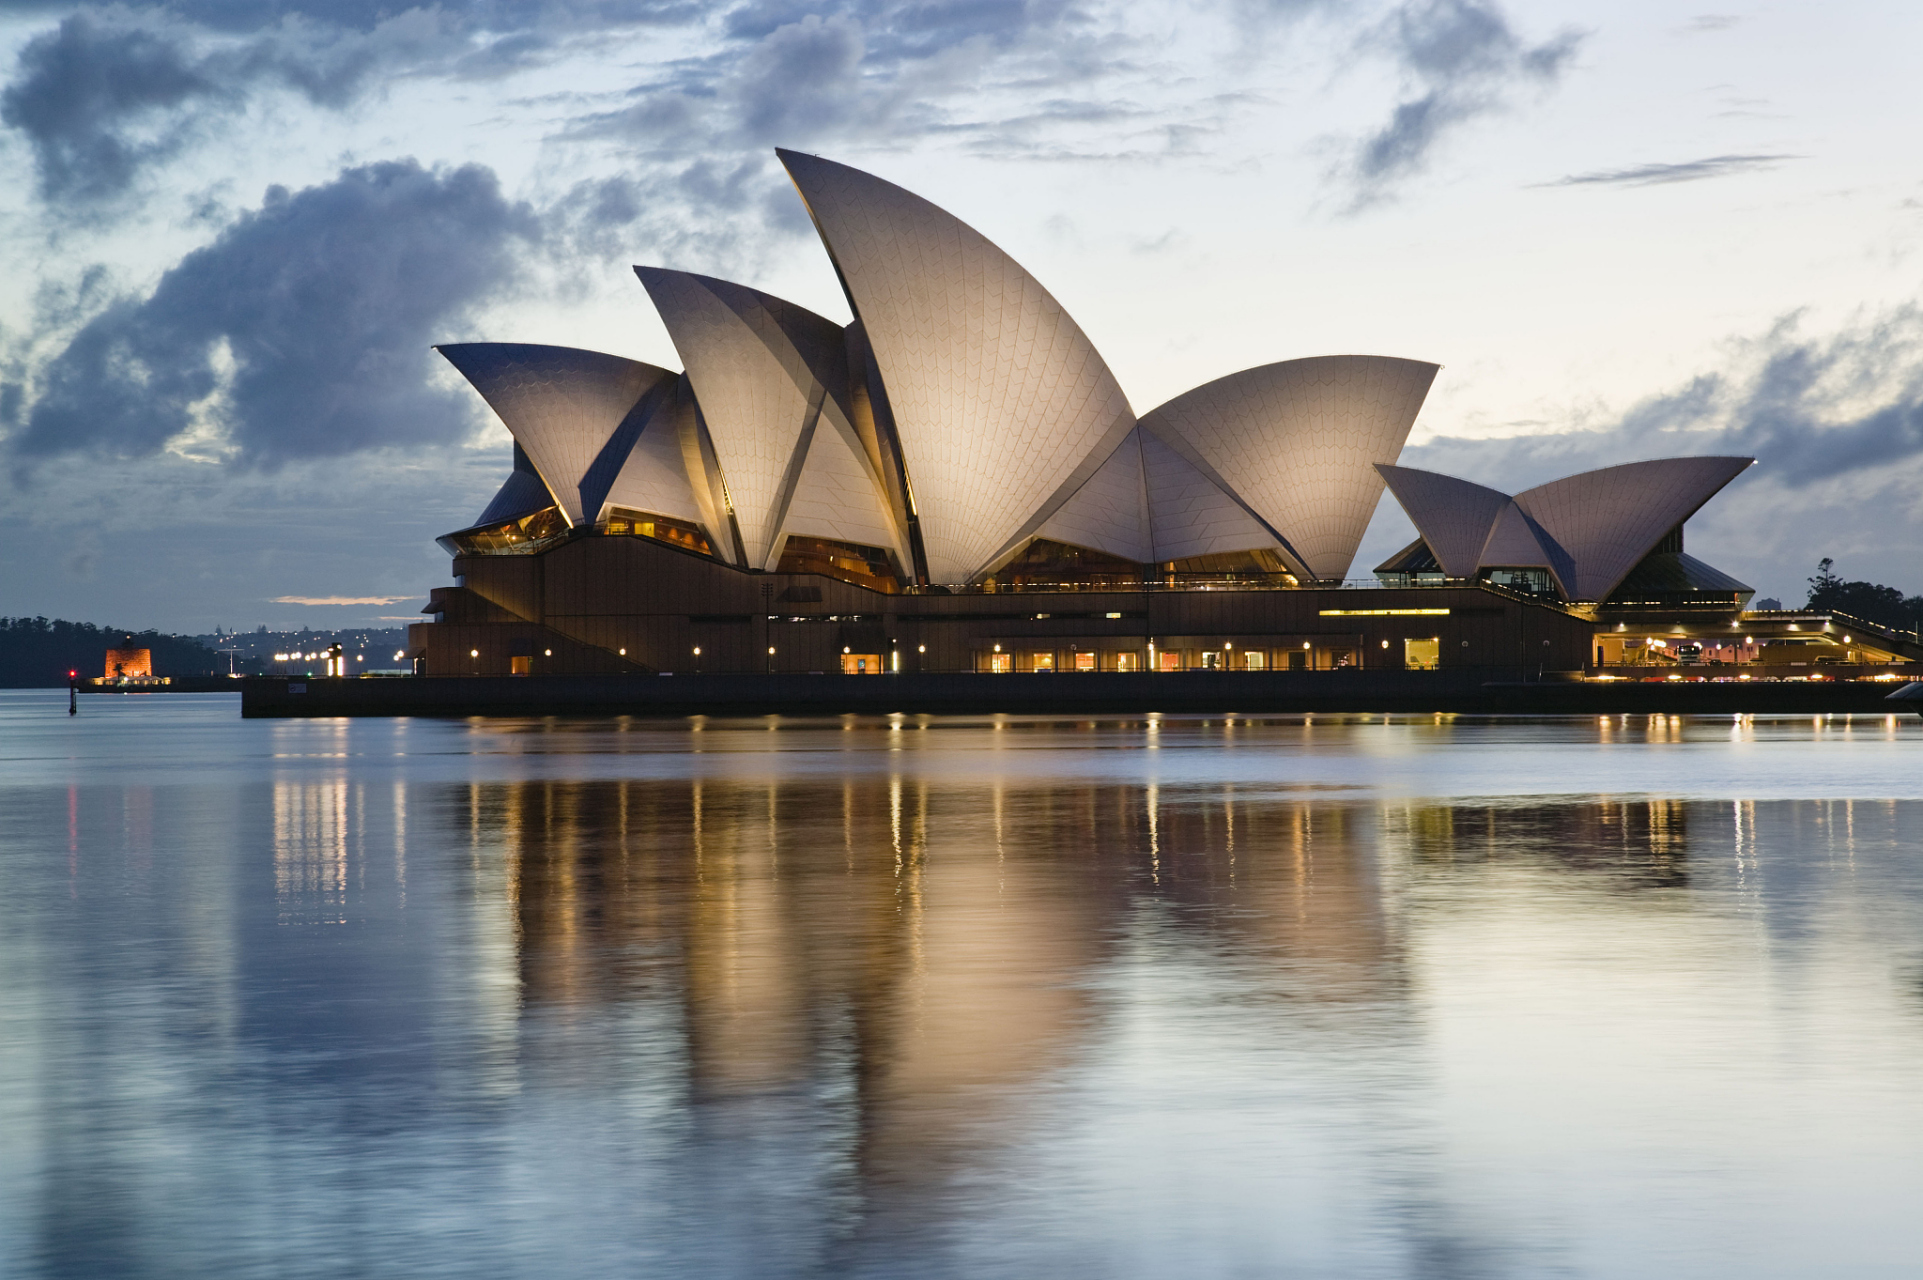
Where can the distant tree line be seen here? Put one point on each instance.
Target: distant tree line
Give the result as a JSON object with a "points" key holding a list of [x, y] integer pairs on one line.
{"points": [[37, 653], [1866, 600]]}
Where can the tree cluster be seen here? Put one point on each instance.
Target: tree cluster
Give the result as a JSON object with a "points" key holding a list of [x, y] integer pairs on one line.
{"points": [[1870, 601], [37, 653]]}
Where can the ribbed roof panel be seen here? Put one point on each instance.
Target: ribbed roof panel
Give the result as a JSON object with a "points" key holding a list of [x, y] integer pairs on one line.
{"points": [[1190, 514], [1003, 406], [1608, 520], [561, 404], [1110, 512], [761, 369], [1298, 442], [1453, 516]]}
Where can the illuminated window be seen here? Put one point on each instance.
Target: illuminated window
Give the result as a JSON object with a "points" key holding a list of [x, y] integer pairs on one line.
{"points": [[1046, 563], [514, 538], [1169, 661], [1128, 662], [1085, 662], [1260, 567], [1041, 660], [851, 562], [1001, 662], [861, 664], [1422, 655], [520, 664], [646, 524], [1254, 660]]}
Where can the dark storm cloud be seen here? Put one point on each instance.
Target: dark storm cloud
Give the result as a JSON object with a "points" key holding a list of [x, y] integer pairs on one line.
{"points": [[1463, 59], [1807, 410], [1650, 175], [99, 99], [302, 330], [111, 91], [80, 92]]}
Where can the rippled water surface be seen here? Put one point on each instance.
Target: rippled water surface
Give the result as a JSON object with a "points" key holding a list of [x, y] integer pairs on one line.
{"points": [[1344, 997]]}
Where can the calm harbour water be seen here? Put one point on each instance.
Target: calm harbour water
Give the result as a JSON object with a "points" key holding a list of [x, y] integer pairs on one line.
{"points": [[1344, 997]]}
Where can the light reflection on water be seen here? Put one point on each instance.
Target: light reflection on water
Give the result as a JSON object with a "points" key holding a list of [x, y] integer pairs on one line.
{"points": [[1332, 997]]}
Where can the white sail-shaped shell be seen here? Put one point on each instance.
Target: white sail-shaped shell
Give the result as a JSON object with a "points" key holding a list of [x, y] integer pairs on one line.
{"points": [[1608, 520], [1110, 512], [1454, 517], [1298, 443], [1003, 406], [762, 371], [564, 407]]}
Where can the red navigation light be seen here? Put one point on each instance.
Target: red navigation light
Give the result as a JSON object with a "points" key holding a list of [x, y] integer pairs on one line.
{"points": [[72, 674]]}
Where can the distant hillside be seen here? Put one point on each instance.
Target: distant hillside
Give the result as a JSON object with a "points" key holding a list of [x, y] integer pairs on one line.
{"points": [[37, 653]]}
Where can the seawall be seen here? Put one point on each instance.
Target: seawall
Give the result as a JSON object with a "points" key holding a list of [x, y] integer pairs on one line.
{"points": [[1465, 691]]}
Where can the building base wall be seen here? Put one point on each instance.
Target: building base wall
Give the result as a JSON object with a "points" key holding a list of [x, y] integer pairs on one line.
{"points": [[604, 604], [1480, 691]]}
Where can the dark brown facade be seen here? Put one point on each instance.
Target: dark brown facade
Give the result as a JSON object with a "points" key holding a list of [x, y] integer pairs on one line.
{"points": [[595, 603]]}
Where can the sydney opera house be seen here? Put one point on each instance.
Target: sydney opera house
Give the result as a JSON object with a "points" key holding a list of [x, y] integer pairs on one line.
{"points": [[955, 481]]}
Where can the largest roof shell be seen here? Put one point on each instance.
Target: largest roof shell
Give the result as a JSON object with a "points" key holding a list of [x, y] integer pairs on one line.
{"points": [[1002, 404], [1297, 443]]}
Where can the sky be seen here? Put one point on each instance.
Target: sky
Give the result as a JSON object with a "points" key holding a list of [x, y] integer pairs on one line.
{"points": [[232, 232]]}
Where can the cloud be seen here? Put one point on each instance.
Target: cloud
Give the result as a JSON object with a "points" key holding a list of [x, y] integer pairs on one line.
{"points": [[872, 70], [104, 96], [331, 600], [1462, 60], [302, 331], [111, 92], [82, 95], [1809, 410], [1650, 175]]}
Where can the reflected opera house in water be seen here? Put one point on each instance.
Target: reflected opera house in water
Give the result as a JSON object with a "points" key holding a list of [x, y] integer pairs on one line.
{"points": [[955, 482]]}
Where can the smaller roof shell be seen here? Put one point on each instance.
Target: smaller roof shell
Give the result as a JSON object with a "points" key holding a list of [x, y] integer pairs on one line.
{"points": [[764, 370], [1453, 516], [565, 407], [1608, 520], [1297, 441], [1589, 530]]}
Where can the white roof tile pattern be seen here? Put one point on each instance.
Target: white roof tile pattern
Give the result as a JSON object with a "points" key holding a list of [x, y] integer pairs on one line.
{"points": [[761, 369], [655, 475], [1517, 542], [1190, 514], [1298, 442], [1003, 406], [523, 494], [1608, 520], [704, 475], [1110, 512], [562, 405], [1453, 516], [837, 495]]}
